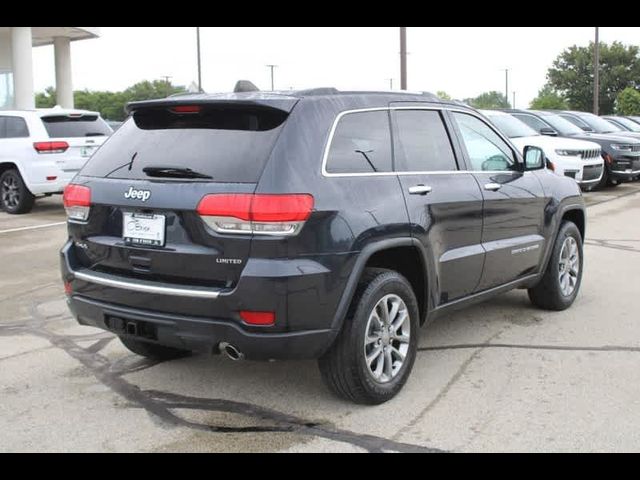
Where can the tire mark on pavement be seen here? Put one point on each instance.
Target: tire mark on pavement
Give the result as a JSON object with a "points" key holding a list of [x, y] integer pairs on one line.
{"points": [[160, 405]]}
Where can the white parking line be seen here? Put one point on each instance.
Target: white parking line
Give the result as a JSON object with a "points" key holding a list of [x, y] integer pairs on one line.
{"points": [[35, 227]]}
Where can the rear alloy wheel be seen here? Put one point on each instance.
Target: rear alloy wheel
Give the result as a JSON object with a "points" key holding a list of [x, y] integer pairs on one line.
{"points": [[373, 356], [15, 197]]}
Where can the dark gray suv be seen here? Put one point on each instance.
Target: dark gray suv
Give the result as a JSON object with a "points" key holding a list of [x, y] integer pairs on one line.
{"points": [[319, 224]]}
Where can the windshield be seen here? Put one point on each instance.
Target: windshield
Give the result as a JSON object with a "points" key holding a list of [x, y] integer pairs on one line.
{"points": [[598, 124], [629, 124], [564, 127], [512, 127]]}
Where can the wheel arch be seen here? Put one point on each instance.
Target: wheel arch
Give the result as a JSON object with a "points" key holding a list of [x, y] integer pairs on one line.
{"points": [[379, 255]]}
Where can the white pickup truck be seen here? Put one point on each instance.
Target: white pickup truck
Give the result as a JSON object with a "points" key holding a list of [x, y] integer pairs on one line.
{"points": [[42, 150]]}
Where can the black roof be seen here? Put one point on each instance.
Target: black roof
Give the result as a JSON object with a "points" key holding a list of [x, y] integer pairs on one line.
{"points": [[285, 100]]}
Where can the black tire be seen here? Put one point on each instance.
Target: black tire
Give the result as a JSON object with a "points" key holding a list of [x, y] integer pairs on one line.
{"points": [[604, 181], [15, 197], [344, 367], [152, 350], [548, 293], [614, 183]]}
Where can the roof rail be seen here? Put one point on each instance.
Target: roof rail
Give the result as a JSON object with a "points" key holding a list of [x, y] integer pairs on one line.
{"points": [[317, 91]]}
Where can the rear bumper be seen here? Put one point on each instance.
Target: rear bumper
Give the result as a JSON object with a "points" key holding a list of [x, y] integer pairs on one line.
{"points": [[199, 334], [303, 293]]}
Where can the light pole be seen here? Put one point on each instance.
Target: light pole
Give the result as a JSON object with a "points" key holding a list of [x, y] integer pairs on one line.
{"points": [[403, 58], [272, 67], [596, 74], [391, 84], [514, 100], [199, 61]]}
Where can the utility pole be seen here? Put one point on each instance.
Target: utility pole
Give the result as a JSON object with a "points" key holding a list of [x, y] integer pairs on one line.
{"points": [[596, 74], [199, 61], [514, 100], [168, 83], [272, 67], [391, 84], [506, 86], [403, 58]]}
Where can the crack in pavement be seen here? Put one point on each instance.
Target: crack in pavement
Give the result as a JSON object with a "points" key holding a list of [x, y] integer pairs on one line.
{"points": [[608, 244], [561, 348], [160, 405]]}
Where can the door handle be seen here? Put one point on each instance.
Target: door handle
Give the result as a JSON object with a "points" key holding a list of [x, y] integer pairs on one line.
{"points": [[420, 190], [492, 187]]}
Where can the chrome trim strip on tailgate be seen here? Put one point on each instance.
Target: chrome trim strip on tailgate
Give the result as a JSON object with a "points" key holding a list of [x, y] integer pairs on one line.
{"points": [[144, 286]]}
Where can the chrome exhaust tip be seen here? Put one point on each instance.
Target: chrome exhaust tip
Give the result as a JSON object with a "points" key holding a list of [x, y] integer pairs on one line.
{"points": [[232, 352]]}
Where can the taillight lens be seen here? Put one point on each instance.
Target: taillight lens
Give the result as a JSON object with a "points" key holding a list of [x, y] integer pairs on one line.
{"points": [[77, 202], [51, 147], [279, 215]]}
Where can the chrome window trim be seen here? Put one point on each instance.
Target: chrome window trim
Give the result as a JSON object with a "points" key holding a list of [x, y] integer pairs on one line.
{"points": [[336, 122]]}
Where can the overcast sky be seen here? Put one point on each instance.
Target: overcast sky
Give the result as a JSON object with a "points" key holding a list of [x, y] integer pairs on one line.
{"points": [[463, 61]]}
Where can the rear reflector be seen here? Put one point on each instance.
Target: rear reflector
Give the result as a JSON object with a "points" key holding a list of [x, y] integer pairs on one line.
{"points": [[77, 202], [258, 318], [51, 147], [256, 214], [68, 289]]}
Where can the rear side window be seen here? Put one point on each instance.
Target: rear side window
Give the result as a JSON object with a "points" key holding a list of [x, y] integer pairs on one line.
{"points": [[230, 144], [423, 142], [13, 127], [361, 144], [66, 126]]}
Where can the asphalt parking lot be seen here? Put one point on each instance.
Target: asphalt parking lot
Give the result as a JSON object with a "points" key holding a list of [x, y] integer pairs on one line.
{"points": [[501, 376]]}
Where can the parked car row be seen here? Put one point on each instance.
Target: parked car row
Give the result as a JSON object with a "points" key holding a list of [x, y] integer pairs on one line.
{"points": [[590, 149], [42, 150]]}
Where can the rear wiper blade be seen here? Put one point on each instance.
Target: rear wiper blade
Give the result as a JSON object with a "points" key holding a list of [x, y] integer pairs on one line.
{"points": [[174, 172]]}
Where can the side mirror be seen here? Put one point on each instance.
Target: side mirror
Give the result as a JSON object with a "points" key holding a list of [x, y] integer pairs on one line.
{"points": [[548, 131], [534, 159]]}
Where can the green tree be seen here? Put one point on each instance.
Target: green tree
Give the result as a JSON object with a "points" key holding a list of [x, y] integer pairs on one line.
{"points": [[488, 101], [628, 102], [572, 75], [443, 95], [548, 99], [111, 105], [46, 99]]}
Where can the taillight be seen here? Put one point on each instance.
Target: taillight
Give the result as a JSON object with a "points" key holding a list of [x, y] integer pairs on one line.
{"points": [[281, 215], [77, 202], [51, 147]]}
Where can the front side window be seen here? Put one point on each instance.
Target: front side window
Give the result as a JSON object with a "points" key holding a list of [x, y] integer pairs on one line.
{"points": [[361, 144], [423, 144], [486, 151]]}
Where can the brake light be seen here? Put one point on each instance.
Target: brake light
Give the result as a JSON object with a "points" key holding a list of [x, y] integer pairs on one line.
{"points": [[262, 319], [51, 147], [282, 215], [68, 288], [186, 109], [77, 202]]}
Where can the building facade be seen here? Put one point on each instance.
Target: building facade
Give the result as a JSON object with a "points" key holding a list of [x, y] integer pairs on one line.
{"points": [[16, 62]]}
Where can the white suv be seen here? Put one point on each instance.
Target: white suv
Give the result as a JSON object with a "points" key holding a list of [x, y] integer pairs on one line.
{"points": [[578, 159], [42, 150]]}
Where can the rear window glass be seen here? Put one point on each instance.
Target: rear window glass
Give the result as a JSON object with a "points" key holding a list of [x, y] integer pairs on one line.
{"points": [[229, 144], [361, 144], [63, 126]]}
